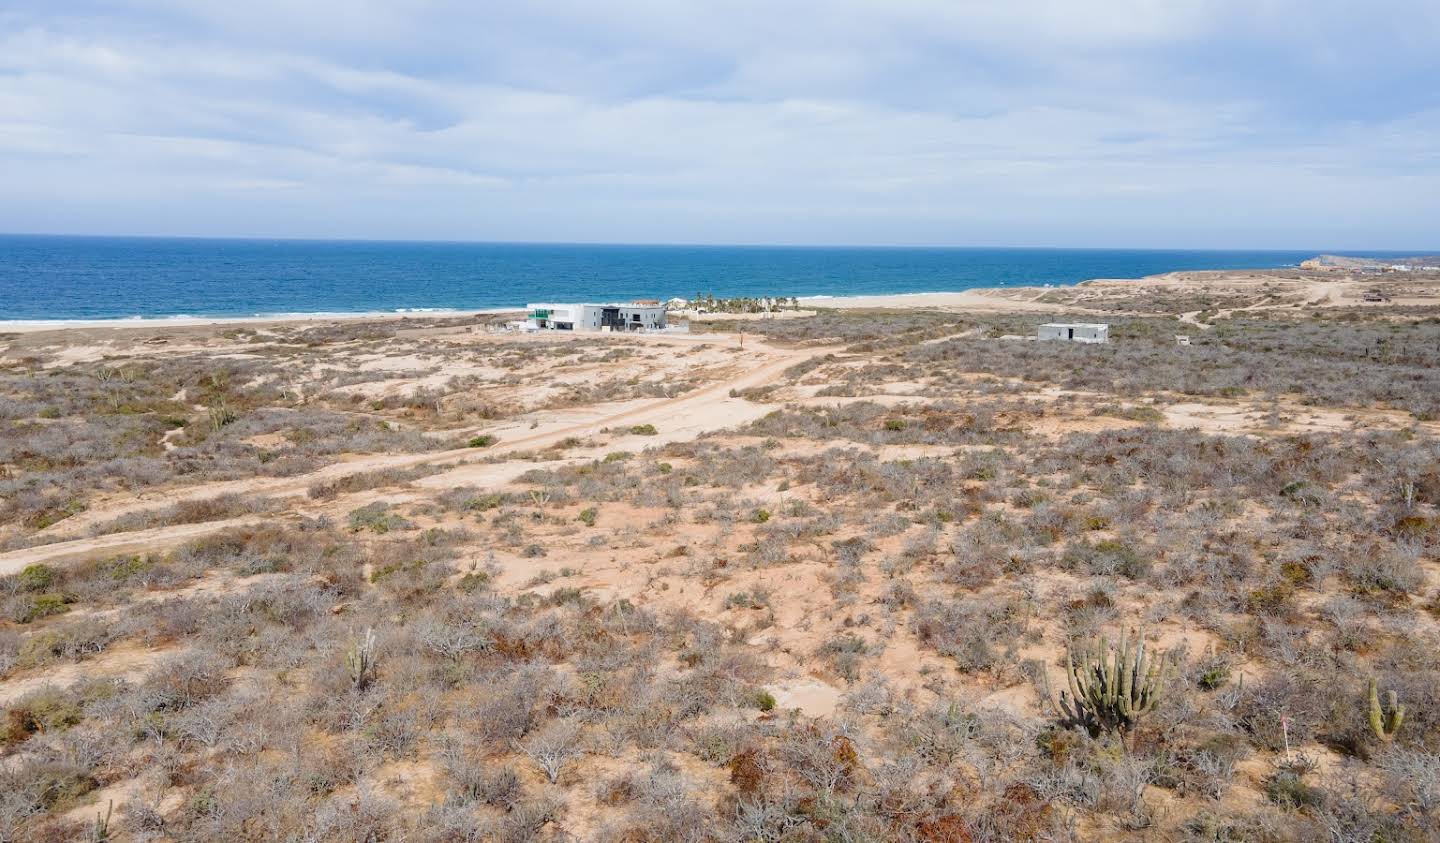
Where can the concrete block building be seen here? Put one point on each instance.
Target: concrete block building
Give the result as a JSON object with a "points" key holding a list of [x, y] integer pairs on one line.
{"points": [[1094, 332]]}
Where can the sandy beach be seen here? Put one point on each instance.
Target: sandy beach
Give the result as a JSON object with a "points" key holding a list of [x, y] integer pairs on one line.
{"points": [[28, 326]]}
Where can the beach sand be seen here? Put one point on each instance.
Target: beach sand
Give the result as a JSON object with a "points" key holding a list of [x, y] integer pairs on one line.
{"points": [[984, 299], [30, 326]]}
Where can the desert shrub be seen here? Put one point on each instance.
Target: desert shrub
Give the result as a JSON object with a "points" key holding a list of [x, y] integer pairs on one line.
{"points": [[75, 640], [845, 653], [184, 681], [979, 633], [1287, 789], [364, 480], [37, 577], [377, 518], [188, 512], [43, 785], [1383, 570], [1110, 557], [46, 710], [511, 706], [1293, 697], [26, 608], [554, 747]]}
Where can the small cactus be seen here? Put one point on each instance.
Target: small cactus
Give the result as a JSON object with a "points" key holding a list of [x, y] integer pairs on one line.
{"points": [[1111, 687], [1385, 723], [220, 415], [100, 831], [360, 661]]}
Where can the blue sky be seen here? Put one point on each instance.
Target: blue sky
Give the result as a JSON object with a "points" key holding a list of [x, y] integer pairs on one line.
{"points": [[1255, 124]]}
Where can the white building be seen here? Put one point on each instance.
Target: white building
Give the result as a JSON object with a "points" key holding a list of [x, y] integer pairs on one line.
{"points": [[634, 316], [1075, 331]]}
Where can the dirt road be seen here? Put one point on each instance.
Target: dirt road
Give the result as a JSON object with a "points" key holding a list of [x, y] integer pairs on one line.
{"points": [[677, 419]]}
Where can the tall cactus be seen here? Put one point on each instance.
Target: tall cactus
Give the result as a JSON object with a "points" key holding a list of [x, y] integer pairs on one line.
{"points": [[1111, 688], [1382, 722], [360, 661]]}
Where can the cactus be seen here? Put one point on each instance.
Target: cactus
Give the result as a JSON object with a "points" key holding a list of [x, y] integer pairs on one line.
{"points": [[360, 661], [100, 831], [1382, 722], [220, 415], [1111, 688]]}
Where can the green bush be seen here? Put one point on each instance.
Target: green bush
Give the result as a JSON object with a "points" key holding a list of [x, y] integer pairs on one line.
{"points": [[588, 516], [46, 710], [43, 606], [1286, 789], [644, 430], [127, 567], [760, 516], [1214, 676], [568, 594], [484, 440], [384, 572], [473, 582], [60, 784], [483, 503], [377, 518], [37, 577]]}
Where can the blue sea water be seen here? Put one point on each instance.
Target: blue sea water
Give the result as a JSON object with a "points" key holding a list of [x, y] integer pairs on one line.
{"points": [[61, 277]]}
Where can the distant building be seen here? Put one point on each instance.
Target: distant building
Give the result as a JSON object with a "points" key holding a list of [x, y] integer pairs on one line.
{"points": [[634, 316], [1091, 332]]}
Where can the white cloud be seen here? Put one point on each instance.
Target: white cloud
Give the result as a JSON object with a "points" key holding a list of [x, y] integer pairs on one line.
{"points": [[1134, 122]]}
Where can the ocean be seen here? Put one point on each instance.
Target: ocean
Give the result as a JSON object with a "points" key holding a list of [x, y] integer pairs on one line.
{"points": [[73, 278]]}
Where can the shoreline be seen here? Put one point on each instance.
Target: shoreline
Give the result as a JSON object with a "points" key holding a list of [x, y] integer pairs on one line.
{"points": [[989, 299], [976, 297], [30, 326]]}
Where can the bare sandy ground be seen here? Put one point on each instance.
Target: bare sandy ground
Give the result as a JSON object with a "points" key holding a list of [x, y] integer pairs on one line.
{"points": [[676, 419]]}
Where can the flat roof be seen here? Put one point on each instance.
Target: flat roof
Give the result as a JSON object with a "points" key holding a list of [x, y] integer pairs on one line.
{"points": [[1075, 325], [594, 304]]}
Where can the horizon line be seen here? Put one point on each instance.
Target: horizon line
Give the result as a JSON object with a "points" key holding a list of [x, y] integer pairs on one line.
{"points": [[700, 245]]}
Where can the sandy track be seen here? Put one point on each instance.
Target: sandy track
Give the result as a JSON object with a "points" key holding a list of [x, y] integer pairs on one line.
{"points": [[678, 419]]}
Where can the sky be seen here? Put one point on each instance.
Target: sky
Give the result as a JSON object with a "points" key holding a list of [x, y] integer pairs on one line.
{"points": [[1123, 123]]}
